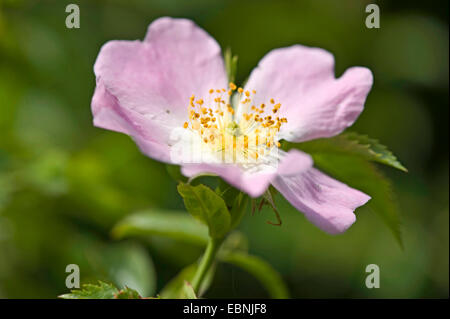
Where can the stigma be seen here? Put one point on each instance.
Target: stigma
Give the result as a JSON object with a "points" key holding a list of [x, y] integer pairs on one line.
{"points": [[247, 136]]}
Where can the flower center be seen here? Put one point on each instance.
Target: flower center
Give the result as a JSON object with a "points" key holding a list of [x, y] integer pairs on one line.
{"points": [[247, 136]]}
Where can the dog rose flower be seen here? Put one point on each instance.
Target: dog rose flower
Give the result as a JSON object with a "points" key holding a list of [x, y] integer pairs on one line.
{"points": [[171, 94]]}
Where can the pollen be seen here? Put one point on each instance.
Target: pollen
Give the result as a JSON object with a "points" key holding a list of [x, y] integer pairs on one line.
{"points": [[239, 131]]}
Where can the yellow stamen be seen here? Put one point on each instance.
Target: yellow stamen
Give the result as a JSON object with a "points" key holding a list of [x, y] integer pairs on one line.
{"points": [[238, 137]]}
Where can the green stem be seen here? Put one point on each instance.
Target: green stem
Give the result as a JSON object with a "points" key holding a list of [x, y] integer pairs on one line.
{"points": [[206, 263]]}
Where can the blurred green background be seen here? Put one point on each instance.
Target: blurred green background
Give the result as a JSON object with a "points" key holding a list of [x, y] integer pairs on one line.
{"points": [[65, 183]]}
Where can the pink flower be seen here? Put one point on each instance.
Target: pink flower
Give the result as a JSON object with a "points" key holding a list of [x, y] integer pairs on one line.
{"points": [[174, 85]]}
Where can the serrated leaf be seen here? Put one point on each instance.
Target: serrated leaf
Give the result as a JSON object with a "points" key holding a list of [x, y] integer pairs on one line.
{"points": [[364, 176], [175, 225], [352, 144], [127, 293], [261, 270], [208, 207], [102, 290]]}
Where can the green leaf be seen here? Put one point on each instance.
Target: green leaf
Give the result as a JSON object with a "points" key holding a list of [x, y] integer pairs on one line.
{"points": [[235, 200], [365, 176], [238, 210], [261, 270], [175, 225], [345, 158], [208, 207], [101, 290], [189, 291], [175, 287], [352, 144], [230, 65], [127, 293], [227, 192]]}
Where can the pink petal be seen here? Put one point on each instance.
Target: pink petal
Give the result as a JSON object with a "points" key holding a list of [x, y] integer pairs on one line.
{"points": [[154, 79], [315, 103], [254, 184], [326, 202], [108, 114]]}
